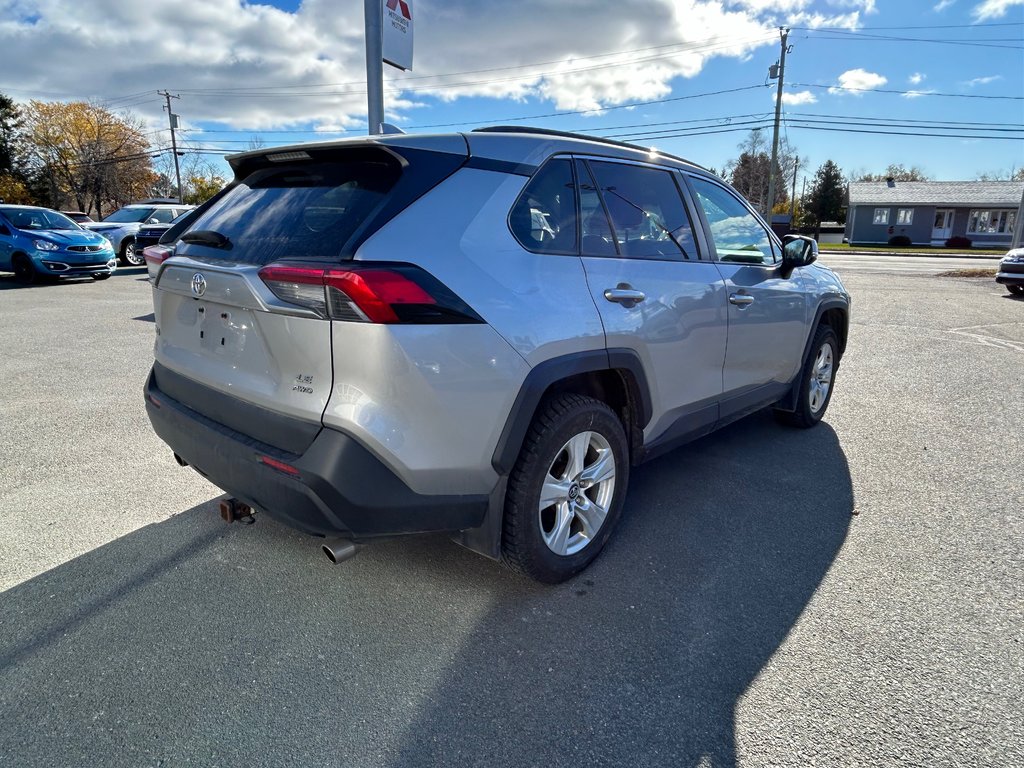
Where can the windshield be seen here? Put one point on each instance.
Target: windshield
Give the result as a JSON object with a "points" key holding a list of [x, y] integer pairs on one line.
{"points": [[296, 212], [37, 218], [129, 215]]}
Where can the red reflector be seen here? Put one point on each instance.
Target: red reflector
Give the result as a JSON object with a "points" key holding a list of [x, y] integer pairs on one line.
{"points": [[154, 401], [280, 466]]}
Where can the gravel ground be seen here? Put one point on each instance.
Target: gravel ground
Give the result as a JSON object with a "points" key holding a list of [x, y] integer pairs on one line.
{"points": [[849, 595]]}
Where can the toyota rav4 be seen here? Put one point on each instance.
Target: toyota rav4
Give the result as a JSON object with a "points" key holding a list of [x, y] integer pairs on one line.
{"points": [[475, 333]]}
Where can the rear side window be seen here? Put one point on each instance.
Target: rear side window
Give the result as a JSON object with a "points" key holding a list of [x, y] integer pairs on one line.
{"points": [[543, 219], [295, 212]]}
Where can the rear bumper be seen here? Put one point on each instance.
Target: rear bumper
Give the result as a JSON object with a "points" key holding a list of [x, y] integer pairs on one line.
{"points": [[339, 489]]}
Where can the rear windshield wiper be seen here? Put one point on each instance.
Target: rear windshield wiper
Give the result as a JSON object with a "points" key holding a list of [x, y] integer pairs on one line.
{"points": [[206, 237]]}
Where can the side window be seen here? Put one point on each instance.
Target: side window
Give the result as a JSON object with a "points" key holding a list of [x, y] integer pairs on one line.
{"points": [[738, 235], [162, 215], [543, 219], [597, 238], [647, 212]]}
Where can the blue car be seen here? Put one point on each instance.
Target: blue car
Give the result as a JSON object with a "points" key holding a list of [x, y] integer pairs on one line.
{"points": [[37, 242]]}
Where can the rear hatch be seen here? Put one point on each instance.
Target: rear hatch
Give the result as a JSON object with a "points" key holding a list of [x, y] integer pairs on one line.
{"points": [[253, 352]]}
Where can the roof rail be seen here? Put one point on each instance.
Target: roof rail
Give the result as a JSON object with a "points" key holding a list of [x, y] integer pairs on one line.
{"points": [[579, 137]]}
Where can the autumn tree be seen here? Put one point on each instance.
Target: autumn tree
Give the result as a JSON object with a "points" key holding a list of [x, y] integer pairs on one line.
{"points": [[824, 201], [87, 156], [750, 175]]}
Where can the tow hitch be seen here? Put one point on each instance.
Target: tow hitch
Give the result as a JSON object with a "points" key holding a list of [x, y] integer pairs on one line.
{"points": [[233, 509]]}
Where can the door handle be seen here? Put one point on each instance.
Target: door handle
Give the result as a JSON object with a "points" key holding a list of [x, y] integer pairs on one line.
{"points": [[741, 299], [624, 294]]}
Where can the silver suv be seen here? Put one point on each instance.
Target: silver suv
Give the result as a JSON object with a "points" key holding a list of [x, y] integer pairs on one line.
{"points": [[121, 227], [475, 333]]}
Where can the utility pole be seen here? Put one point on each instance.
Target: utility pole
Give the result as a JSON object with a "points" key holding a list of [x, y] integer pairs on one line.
{"points": [[780, 73], [373, 18], [792, 197], [173, 121]]}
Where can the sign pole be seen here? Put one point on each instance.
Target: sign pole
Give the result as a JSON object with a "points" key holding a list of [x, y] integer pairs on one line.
{"points": [[372, 12]]}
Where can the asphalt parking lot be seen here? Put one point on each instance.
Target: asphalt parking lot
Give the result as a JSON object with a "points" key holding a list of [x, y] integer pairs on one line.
{"points": [[849, 595]]}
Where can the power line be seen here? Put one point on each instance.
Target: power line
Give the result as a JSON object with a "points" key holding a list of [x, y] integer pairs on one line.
{"points": [[915, 93], [859, 37]]}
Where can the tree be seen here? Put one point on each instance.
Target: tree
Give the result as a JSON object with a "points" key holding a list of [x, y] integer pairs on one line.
{"points": [[825, 200], [12, 168], [85, 155], [202, 188], [749, 173], [896, 172], [1013, 174]]}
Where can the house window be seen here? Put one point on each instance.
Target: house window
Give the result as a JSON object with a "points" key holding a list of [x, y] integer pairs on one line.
{"points": [[991, 222], [905, 216], [881, 216]]}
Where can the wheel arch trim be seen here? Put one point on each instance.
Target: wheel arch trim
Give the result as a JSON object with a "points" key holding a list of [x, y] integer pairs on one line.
{"points": [[542, 376]]}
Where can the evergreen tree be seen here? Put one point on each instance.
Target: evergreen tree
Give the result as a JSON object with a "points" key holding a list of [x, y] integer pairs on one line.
{"points": [[825, 200]]}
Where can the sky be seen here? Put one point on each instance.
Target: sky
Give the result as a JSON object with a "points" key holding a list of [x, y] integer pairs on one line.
{"points": [[689, 77]]}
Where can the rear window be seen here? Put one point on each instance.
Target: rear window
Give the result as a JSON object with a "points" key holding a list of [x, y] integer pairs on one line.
{"points": [[295, 212]]}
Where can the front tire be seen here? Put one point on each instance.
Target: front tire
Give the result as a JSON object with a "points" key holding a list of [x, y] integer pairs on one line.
{"points": [[24, 271], [130, 256], [1016, 290], [566, 490], [817, 379]]}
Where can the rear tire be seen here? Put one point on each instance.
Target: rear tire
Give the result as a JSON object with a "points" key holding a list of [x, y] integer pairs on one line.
{"points": [[130, 256], [1016, 290], [24, 271], [817, 380], [576, 458]]}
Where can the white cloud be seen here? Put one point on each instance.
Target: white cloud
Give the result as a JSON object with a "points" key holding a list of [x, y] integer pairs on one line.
{"points": [[257, 67], [993, 9], [916, 79], [917, 94], [799, 97], [857, 80], [943, 5], [982, 80]]}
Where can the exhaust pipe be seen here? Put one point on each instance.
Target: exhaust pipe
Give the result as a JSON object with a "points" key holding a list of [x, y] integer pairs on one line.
{"points": [[340, 551], [233, 509]]}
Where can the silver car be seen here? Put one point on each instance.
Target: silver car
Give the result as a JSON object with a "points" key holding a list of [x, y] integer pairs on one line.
{"points": [[122, 225], [374, 337]]}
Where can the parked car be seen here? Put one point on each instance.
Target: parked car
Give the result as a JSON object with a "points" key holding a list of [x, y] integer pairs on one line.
{"points": [[375, 337], [121, 227], [37, 242], [1011, 272], [79, 217], [150, 234]]}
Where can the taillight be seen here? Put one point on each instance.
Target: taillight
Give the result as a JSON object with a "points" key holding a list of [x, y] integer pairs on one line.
{"points": [[368, 293], [156, 255]]}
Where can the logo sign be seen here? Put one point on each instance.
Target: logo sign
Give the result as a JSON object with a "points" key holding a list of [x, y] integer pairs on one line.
{"points": [[198, 284], [397, 33]]}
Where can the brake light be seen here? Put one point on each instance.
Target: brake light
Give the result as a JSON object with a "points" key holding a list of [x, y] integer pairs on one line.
{"points": [[156, 255], [368, 293]]}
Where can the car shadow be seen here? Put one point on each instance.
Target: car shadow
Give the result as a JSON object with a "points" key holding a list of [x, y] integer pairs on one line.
{"points": [[192, 641]]}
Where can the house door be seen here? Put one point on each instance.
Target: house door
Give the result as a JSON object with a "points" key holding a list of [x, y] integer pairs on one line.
{"points": [[942, 230]]}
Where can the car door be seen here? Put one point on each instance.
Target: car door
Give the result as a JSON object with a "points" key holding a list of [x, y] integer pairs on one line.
{"points": [[768, 313], [6, 244], [656, 296]]}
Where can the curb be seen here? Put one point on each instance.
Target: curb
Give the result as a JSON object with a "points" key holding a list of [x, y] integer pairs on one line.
{"points": [[913, 255]]}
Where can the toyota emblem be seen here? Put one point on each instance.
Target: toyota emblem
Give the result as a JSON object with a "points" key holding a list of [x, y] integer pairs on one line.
{"points": [[198, 284]]}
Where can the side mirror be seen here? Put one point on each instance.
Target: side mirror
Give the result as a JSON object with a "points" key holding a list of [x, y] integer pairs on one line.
{"points": [[798, 251]]}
